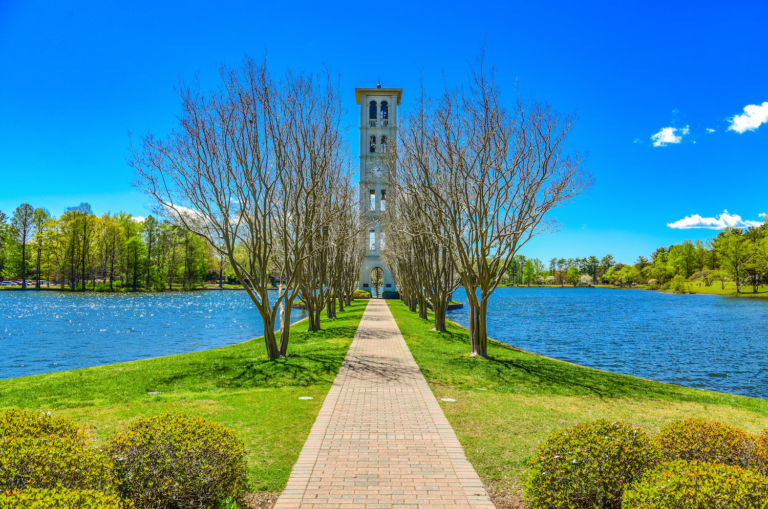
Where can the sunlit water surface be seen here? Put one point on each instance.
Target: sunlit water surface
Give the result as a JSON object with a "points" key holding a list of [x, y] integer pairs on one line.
{"points": [[46, 331], [703, 341]]}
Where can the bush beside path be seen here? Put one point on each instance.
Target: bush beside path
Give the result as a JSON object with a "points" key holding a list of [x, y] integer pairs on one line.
{"points": [[235, 386]]}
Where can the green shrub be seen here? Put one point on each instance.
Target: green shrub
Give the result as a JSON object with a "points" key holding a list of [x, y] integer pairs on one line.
{"points": [[361, 294], [28, 424], [698, 439], [678, 284], [52, 461], [695, 484], [173, 461], [390, 294], [760, 462], [61, 498], [588, 465]]}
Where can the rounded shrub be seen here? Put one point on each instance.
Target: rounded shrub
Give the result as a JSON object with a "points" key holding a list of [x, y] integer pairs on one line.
{"points": [[697, 485], [52, 461], [28, 424], [171, 461], [760, 462], [588, 465], [361, 294], [699, 439], [61, 498]]}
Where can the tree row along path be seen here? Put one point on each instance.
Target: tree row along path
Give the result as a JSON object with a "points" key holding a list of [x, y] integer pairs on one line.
{"points": [[381, 439]]}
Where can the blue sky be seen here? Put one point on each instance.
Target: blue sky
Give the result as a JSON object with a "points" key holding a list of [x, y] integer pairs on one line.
{"points": [[77, 78]]}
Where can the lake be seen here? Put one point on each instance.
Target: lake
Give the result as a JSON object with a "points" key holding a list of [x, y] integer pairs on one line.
{"points": [[49, 331], [703, 341]]}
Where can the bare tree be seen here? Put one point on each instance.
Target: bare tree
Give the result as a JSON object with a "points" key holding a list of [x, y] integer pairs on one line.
{"points": [[488, 176], [246, 171]]}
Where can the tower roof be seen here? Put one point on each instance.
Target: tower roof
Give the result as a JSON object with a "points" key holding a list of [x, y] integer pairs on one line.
{"points": [[378, 91]]}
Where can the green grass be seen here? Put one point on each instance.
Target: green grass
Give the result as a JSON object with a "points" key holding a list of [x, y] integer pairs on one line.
{"points": [[507, 404], [729, 289], [236, 386]]}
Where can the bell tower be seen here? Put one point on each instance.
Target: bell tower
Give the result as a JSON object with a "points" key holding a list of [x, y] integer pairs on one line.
{"points": [[378, 133]]}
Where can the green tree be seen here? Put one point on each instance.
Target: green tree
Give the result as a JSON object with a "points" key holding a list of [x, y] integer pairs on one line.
{"points": [[151, 231], [734, 254], [684, 258], [573, 275], [22, 224], [40, 220]]}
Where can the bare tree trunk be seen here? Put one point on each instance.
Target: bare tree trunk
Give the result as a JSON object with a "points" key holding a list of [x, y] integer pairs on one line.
{"points": [[285, 330]]}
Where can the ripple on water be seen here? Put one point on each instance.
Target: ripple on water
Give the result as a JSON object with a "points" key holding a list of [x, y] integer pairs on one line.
{"points": [[704, 341], [52, 331]]}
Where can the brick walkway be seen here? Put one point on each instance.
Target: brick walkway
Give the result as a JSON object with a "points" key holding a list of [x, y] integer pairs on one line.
{"points": [[381, 439]]}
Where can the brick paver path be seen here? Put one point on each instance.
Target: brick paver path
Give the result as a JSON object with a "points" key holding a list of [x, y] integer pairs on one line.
{"points": [[381, 439]]}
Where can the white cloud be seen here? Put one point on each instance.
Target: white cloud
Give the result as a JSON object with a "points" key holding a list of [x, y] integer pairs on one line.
{"points": [[724, 220], [762, 214], [669, 136], [137, 219], [753, 117], [710, 130]]}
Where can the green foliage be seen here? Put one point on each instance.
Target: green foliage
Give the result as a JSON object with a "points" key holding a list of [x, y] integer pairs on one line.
{"points": [[678, 284], [21, 423], [361, 294], [51, 461], [697, 485], [588, 465], [172, 461], [760, 462], [389, 294], [698, 439], [61, 498]]}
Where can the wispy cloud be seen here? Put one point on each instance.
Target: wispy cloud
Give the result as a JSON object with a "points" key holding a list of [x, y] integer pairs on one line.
{"points": [[753, 117], [710, 130], [669, 136], [721, 222]]}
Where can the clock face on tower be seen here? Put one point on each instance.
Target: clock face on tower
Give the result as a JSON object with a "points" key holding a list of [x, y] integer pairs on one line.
{"points": [[377, 171]]}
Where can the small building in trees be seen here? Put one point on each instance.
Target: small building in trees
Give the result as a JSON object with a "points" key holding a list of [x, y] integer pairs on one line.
{"points": [[378, 128]]}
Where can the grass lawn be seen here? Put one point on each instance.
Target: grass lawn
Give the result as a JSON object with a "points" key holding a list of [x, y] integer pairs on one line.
{"points": [[730, 289], [507, 404], [236, 386]]}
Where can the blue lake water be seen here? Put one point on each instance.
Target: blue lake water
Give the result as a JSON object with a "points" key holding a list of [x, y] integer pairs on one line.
{"points": [[47, 331], [703, 341]]}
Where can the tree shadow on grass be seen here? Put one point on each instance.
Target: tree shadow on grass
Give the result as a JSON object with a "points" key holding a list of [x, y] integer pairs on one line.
{"points": [[508, 369], [312, 360]]}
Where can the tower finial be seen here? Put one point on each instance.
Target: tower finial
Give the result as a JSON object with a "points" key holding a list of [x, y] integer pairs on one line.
{"points": [[378, 85]]}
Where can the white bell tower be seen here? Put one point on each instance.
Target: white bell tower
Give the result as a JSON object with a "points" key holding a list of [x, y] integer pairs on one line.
{"points": [[378, 132]]}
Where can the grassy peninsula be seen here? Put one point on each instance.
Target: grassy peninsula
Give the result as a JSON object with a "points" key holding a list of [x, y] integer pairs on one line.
{"points": [[236, 386], [507, 404]]}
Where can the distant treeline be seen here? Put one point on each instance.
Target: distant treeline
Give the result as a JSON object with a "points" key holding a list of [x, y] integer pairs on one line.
{"points": [[737, 255], [82, 251]]}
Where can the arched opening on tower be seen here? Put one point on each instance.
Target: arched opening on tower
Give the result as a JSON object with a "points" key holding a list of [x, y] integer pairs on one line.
{"points": [[377, 281], [373, 143], [384, 113], [372, 110], [383, 144]]}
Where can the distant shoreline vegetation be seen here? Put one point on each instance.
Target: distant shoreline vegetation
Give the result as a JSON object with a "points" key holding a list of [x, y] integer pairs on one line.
{"points": [[735, 262], [80, 251]]}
